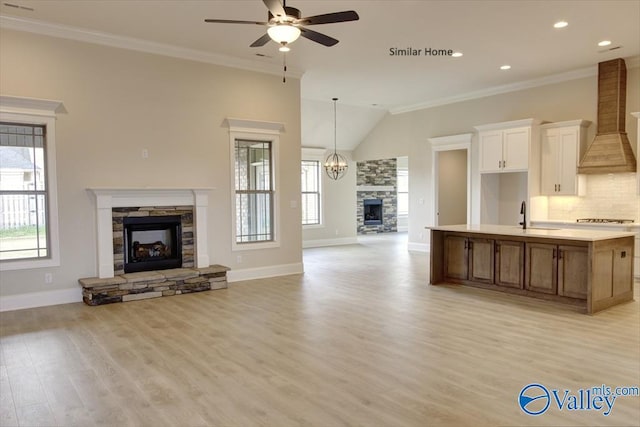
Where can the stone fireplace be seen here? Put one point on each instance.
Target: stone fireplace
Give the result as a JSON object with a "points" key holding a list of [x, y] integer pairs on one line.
{"points": [[113, 205], [148, 245]]}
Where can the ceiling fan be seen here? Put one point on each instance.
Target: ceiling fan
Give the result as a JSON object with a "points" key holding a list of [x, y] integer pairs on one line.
{"points": [[285, 24]]}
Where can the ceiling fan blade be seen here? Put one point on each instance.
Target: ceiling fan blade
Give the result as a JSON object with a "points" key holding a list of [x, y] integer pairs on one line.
{"points": [[231, 21], [261, 41], [275, 7], [330, 18], [317, 37]]}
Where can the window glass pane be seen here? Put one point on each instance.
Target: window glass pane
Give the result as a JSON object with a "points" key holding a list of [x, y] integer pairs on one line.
{"points": [[17, 168], [22, 226], [310, 209], [253, 217]]}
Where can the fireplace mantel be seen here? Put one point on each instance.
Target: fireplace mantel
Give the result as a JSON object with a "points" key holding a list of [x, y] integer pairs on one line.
{"points": [[108, 198]]}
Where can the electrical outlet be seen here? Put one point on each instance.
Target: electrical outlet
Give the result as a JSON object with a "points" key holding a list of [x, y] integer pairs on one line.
{"points": [[337, 232], [145, 153], [48, 278], [421, 236], [239, 259]]}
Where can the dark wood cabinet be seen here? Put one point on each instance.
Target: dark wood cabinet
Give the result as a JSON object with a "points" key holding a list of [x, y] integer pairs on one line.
{"points": [[573, 271], [509, 264], [541, 268], [468, 258]]}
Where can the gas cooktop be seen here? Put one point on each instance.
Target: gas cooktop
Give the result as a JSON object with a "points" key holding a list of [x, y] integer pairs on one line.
{"points": [[605, 220]]}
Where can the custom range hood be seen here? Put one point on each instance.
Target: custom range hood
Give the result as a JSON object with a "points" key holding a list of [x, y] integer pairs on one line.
{"points": [[610, 151]]}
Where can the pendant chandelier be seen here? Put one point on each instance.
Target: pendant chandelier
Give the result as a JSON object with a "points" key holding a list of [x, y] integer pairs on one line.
{"points": [[335, 165]]}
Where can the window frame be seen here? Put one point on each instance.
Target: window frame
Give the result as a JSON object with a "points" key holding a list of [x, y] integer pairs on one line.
{"points": [[38, 112], [315, 154], [245, 130]]}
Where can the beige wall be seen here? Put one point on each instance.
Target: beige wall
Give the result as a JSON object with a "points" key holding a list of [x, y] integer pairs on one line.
{"points": [[407, 134], [121, 101], [452, 187]]}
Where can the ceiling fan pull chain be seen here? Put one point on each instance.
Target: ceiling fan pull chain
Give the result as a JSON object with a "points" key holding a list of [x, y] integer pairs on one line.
{"points": [[284, 67]]}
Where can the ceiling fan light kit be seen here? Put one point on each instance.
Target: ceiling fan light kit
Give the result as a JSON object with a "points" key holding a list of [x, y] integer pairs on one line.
{"points": [[284, 33]]}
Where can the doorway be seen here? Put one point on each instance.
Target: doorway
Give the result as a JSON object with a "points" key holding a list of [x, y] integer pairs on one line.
{"points": [[451, 174]]}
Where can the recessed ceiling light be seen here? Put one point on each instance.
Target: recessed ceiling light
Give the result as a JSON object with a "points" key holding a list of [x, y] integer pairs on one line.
{"points": [[505, 67], [604, 43], [456, 54], [560, 24]]}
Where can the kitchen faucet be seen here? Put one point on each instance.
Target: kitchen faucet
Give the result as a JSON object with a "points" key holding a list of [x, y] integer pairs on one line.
{"points": [[523, 211]]}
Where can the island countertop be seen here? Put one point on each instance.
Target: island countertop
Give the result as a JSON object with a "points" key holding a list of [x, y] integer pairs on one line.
{"points": [[514, 230]]}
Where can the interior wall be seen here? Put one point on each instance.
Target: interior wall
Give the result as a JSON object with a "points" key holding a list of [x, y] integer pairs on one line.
{"points": [[119, 102], [407, 133], [452, 187]]}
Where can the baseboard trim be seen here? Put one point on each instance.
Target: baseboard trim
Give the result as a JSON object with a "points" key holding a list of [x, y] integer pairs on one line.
{"points": [[418, 247], [329, 242], [264, 272], [40, 299]]}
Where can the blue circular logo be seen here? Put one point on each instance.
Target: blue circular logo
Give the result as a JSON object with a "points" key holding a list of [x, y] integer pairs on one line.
{"points": [[534, 399]]}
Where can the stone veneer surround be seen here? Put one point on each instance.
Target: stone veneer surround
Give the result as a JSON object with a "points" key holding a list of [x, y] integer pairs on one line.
{"points": [[109, 198], [378, 179], [186, 221]]}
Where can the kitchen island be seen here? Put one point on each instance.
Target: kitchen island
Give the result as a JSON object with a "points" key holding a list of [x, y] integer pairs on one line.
{"points": [[589, 268]]}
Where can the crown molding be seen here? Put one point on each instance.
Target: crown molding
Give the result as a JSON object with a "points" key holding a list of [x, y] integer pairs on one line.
{"points": [[130, 43], [632, 62]]}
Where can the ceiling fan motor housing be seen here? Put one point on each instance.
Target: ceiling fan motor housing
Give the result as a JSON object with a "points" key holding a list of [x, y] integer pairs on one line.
{"points": [[293, 14]]}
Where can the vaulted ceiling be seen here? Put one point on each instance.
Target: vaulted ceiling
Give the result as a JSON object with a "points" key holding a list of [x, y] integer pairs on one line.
{"points": [[360, 70]]}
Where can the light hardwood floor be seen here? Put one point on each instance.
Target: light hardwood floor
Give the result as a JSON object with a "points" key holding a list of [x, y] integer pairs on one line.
{"points": [[359, 339]]}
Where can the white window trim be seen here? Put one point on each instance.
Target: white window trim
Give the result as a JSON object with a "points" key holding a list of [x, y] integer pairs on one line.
{"points": [[264, 132], [38, 112], [318, 154]]}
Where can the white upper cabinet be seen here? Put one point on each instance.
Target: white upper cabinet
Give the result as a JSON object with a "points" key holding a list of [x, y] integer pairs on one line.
{"points": [[562, 147], [506, 147]]}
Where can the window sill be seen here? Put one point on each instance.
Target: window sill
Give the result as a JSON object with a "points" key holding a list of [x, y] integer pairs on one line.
{"points": [[26, 264], [312, 226], [254, 246]]}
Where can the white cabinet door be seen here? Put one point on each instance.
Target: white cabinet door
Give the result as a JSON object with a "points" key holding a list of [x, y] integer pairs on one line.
{"points": [[568, 162], [560, 156], [515, 146], [491, 151], [549, 162]]}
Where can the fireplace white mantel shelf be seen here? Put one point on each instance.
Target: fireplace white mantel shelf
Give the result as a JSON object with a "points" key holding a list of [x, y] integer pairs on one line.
{"points": [[108, 198]]}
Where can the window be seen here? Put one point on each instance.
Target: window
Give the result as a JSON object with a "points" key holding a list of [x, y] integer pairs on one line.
{"points": [[23, 192], [254, 183], [28, 199], [310, 192], [253, 191], [403, 192]]}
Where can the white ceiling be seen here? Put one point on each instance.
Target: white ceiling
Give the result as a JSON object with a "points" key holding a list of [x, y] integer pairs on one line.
{"points": [[359, 70]]}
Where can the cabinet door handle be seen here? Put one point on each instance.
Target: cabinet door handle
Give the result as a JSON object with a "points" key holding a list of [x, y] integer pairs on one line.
{"points": [[465, 244], [558, 187], [559, 253], [497, 249], [504, 163], [554, 253]]}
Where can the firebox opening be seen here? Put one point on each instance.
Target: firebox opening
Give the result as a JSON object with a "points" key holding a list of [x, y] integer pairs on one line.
{"points": [[372, 211], [152, 243]]}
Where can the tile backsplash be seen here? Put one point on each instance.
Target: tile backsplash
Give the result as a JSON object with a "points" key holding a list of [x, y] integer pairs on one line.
{"points": [[607, 196]]}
